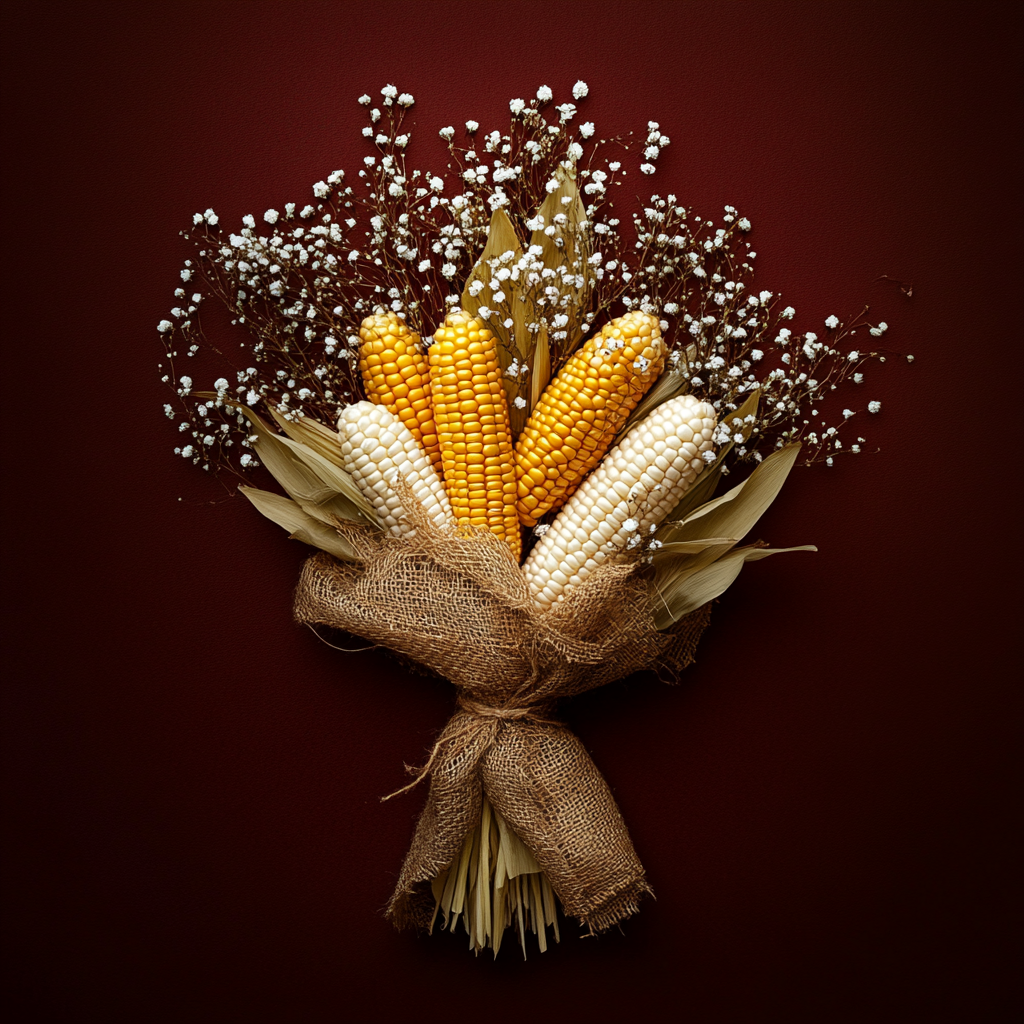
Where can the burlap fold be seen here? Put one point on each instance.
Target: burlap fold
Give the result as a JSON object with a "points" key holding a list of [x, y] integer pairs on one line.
{"points": [[459, 605]]}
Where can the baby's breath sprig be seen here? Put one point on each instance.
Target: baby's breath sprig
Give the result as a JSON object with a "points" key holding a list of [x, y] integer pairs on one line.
{"points": [[298, 281]]}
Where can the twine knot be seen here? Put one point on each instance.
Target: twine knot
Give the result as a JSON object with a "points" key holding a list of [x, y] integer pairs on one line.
{"points": [[459, 733], [533, 712]]}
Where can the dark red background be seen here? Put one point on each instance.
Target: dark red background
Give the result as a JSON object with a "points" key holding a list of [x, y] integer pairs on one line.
{"points": [[824, 806]]}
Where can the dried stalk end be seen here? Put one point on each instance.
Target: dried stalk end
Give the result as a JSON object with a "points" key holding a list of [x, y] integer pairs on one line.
{"points": [[495, 883]]}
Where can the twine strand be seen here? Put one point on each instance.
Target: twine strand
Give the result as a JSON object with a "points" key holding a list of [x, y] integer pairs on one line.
{"points": [[475, 717]]}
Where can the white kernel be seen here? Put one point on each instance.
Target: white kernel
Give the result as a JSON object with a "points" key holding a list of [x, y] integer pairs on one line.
{"points": [[572, 561]]}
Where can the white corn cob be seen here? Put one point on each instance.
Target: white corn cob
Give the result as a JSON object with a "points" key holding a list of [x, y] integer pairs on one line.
{"points": [[634, 487], [376, 447]]}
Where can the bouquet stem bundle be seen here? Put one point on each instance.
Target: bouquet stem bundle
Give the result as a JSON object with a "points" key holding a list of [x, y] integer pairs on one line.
{"points": [[495, 883]]}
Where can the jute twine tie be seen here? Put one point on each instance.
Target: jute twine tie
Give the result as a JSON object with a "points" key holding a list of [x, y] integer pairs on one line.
{"points": [[470, 720]]}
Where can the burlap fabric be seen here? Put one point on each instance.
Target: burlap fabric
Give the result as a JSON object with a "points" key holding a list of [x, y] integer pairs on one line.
{"points": [[459, 606]]}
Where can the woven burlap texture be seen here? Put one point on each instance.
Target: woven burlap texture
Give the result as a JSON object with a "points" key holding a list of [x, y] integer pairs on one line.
{"points": [[459, 605]]}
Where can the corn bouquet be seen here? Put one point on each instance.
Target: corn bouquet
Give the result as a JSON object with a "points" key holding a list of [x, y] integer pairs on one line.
{"points": [[442, 479], [515, 486]]}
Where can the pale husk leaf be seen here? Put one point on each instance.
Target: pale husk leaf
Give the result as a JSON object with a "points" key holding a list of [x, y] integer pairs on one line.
{"points": [[573, 250], [540, 374], [734, 513], [702, 540], [515, 342], [747, 408], [324, 490], [501, 238], [313, 434], [299, 524], [678, 596], [691, 547]]}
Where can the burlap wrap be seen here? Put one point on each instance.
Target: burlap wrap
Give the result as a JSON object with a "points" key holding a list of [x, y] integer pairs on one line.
{"points": [[459, 605]]}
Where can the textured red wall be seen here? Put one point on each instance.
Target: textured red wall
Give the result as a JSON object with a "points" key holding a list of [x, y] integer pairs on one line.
{"points": [[824, 805]]}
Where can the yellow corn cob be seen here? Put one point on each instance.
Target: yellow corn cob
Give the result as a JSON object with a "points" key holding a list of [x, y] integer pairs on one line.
{"points": [[471, 415], [376, 447], [395, 374], [583, 409], [639, 483]]}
